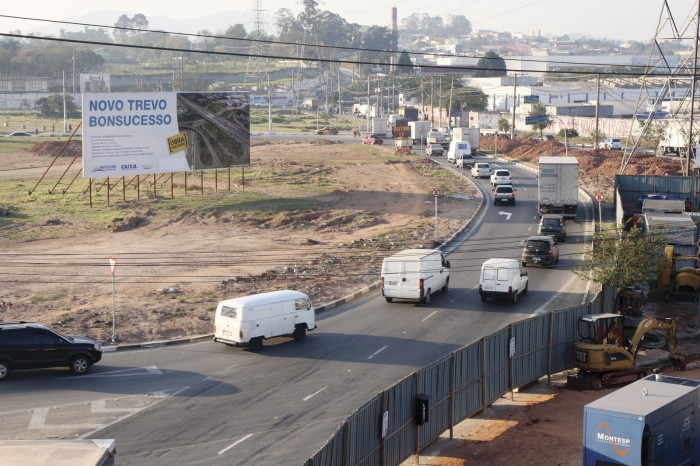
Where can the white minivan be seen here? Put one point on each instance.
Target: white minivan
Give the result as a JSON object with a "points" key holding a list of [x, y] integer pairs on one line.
{"points": [[248, 320], [460, 152], [502, 278], [414, 274]]}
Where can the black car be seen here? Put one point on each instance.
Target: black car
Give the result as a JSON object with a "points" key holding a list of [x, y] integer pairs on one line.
{"points": [[540, 250], [553, 225], [26, 345]]}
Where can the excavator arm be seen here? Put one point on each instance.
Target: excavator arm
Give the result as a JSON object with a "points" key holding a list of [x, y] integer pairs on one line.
{"points": [[654, 323]]}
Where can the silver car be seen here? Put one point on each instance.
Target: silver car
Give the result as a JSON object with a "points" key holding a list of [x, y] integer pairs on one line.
{"points": [[481, 170], [434, 149]]}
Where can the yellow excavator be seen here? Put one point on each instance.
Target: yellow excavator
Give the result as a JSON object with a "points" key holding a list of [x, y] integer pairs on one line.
{"points": [[607, 349]]}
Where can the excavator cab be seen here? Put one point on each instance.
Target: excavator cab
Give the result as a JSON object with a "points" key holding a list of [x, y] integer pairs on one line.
{"points": [[602, 329]]}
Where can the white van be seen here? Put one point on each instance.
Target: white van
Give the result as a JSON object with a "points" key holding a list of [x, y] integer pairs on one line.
{"points": [[460, 153], [414, 274], [502, 278], [248, 320]]}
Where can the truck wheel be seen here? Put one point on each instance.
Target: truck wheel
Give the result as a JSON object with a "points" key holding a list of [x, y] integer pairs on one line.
{"points": [[426, 298], [388, 300], [255, 344], [299, 333], [79, 365], [525, 290], [447, 285], [4, 369], [514, 298]]}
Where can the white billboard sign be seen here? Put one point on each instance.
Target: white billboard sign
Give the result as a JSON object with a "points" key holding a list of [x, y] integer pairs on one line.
{"points": [[127, 134]]}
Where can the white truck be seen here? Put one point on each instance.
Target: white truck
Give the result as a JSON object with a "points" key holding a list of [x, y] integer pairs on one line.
{"points": [[380, 126], [558, 186], [674, 141], [414, 274], [419, 131], [471, 135], [438, 136]]}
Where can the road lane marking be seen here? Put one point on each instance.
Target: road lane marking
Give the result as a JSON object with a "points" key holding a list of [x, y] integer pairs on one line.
{"points": [[377, 352], [307, 398], [428, 316], [234, 444]]}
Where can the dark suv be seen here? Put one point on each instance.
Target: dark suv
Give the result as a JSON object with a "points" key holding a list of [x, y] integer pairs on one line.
{"points": [[540, 250], [553, 225], [26, 345]]}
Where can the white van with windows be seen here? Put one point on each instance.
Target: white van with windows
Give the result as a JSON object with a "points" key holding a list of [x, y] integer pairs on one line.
{"points": [[249, 320], [460, 153], [415, 274], [502, 278]]}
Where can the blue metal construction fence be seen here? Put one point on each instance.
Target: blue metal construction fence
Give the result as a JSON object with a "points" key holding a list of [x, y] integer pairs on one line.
{"points": [[407, 417]]}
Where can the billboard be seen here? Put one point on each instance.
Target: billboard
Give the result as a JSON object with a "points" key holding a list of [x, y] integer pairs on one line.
{"points": [[142, 133]]}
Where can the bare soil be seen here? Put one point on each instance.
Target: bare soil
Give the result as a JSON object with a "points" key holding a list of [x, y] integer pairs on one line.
{"points": [[171, 273], [376, 207]]}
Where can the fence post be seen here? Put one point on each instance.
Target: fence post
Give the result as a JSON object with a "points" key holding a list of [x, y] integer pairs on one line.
{"points": [[415, 394], [453, 377], [550, 348], [346, 444], [485, 376], [382, 440]]}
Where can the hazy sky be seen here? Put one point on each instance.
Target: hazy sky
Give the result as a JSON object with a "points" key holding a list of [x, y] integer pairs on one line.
{"points": [[612, 19]]}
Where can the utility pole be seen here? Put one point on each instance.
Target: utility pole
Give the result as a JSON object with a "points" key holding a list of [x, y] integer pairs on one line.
{"points": [[440, 103], [515, 87], [597, 106], [368, 104], [449, 106], [432, 91]]}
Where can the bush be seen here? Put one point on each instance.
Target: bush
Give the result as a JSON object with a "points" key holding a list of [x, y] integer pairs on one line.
{"points": [[570, 133]]}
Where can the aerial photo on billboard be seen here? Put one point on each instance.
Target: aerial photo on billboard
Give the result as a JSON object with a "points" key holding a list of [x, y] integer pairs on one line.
{"points": [[141, 133]]}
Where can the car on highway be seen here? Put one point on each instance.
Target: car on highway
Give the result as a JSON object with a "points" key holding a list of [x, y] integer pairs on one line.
{"points": [[19, 133], [27, 345], [327, 130], [481, 170], [434, 149], [610, 144], [540, 250], [373, 139], [501, 176], [553, 225], [504, 194]]}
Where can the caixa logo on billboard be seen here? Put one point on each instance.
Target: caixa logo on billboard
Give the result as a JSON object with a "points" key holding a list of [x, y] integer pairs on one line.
{"points": [[129, 166], [104, 168]]}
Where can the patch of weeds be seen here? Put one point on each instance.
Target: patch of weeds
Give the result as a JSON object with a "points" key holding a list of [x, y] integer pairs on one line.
{"points": [[45, 299]]}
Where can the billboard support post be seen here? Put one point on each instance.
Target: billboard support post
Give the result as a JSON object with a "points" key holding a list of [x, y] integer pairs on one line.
{"points": [[172, 187], [90, 187], [201, 180], [108, 190], [155, 186], [124, 188]]}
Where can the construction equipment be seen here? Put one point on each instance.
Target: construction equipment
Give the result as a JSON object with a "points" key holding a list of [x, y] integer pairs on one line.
{"points": [[607, 349]]}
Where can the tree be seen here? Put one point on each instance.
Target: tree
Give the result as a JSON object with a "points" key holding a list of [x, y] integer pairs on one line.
{"points": [[537, 109], [490, 65], [469, 99], [620, 257], [405, 65], [52, 106], [503, 125]]}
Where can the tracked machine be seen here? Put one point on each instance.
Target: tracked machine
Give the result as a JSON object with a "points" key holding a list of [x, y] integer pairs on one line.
{"points": [[606, 352]]}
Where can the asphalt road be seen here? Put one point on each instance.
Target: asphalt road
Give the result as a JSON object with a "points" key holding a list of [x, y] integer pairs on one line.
{"points": [[206, 403]]}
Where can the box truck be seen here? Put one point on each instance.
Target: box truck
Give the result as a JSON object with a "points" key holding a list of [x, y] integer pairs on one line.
{"points": [[248, 320], [557, 186], [380, 126], [419, 131], [472, 135], [414, 274]]}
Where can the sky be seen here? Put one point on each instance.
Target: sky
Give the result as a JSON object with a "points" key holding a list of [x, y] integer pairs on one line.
{"points": [[609, 19]]}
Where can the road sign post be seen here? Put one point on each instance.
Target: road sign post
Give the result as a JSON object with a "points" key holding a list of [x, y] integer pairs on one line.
{"points": [[436, 194], [536, 119], [112, 266], [599, 196]]}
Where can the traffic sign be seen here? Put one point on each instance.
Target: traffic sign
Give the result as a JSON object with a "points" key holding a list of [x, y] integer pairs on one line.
{"points": [[536, 119], [436, 192], [599, 197], [112, 263], [531, 98]]}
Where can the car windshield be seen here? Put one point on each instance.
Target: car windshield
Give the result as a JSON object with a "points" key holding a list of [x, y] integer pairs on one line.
{"points": [[504, 189], [502, 173], [552, 222], [537, 245]]}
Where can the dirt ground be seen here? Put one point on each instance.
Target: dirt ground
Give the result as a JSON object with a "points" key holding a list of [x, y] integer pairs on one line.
{"points": [[171, 272], [375, 208]]}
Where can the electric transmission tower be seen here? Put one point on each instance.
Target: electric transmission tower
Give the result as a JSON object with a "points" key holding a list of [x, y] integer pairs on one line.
{"points": [[256, 60], [670, 79]]}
